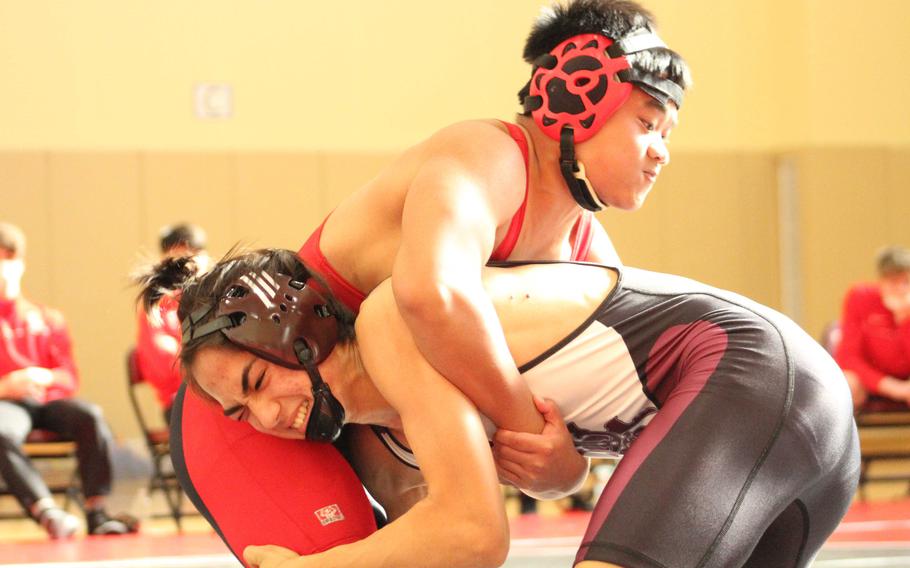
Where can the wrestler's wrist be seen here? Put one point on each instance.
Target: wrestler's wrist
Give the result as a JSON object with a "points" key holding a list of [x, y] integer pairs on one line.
{"points": [[559, 493]]}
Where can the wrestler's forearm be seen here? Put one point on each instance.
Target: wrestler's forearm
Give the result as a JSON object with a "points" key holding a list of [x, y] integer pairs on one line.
{"points": [[462, 521], [423, 537], [461, 337]]}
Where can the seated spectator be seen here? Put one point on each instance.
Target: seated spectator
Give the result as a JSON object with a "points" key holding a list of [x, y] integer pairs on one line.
{"points": [[158, 335], [874, 348], [37, 382]]}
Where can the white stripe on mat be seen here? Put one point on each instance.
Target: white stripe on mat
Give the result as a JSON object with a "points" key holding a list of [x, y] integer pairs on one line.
{"points": [[201, 561]]}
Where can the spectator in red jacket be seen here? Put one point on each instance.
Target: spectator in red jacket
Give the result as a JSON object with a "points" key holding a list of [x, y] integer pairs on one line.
{"points": [[158, 335], [874, 349], [38, 381]]}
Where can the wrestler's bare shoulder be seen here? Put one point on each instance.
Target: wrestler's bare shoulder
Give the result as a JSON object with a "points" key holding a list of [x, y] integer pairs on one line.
{"points": [[479, 148]]}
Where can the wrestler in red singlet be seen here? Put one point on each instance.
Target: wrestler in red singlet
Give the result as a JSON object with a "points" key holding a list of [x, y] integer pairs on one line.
{"points": [[221, 462]]}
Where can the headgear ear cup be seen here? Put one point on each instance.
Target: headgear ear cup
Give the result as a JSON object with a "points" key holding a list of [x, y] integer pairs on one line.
{"points": [[576, 85]]}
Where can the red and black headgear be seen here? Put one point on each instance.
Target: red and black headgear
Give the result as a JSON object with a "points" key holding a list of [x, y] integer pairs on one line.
{"points": [[579, 85], [284, 321]]}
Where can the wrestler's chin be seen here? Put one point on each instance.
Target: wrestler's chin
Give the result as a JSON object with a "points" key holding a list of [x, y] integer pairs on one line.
{"points": [[633, 200], [640, 196]]}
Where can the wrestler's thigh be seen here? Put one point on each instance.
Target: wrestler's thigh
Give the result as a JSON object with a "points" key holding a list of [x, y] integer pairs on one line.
{"points": [[683, 481]]}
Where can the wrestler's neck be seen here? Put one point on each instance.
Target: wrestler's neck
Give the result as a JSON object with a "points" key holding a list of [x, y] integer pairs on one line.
{"points": [[550, 204], [343, 371]]}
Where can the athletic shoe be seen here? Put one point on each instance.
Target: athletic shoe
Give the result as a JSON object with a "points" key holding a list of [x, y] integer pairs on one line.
{"points": [[100, 523], [58, 523]]}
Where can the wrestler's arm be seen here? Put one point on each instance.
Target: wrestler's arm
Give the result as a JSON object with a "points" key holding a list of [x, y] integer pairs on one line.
{"points": [[470, 183], [461, 522]]}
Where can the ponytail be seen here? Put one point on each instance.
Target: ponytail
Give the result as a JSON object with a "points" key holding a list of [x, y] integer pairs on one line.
{"points": [[168, 277]]}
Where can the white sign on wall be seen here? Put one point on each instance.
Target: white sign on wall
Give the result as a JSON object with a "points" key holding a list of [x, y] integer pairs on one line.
{"points": [[213, 100]]}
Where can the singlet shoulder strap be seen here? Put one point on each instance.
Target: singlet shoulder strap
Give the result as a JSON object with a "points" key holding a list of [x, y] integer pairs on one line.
{"points": [[312, 255], [583, 235], [401, 452], [505, 247]]}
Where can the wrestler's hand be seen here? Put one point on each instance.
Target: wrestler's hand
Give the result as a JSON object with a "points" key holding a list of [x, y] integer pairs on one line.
{"points": [[545, 464], [271, 556]]}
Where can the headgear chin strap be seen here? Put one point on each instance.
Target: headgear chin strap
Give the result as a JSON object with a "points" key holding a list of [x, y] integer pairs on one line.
{"points": [[580, 84], [573, 172], [283, 321]]}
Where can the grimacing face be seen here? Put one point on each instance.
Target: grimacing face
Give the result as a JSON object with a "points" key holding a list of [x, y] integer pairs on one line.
{"points": [[275, 400]]}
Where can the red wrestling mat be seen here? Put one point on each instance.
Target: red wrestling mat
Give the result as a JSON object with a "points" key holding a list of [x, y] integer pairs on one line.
{"points": [[108, 548], [533, 536], [887, 521]]}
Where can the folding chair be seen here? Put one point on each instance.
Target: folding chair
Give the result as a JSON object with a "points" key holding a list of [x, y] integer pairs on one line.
{"points": [[157, 439], [883, 427], [44, 447]]}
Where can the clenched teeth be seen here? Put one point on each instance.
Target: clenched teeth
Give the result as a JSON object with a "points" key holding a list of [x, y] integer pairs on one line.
{"points": [[301, 415]]}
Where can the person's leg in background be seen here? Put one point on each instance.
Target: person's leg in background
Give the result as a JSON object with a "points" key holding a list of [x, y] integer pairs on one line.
{"points": [[84, 423], [21, 477]]}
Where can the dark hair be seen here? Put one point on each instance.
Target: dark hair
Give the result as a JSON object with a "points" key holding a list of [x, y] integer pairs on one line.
{"points": [[179, 276], [12, 239], [611, 18], [893, 260], [183, 234]]}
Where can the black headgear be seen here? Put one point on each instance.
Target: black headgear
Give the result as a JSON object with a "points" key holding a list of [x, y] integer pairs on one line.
{"points": [[286, 322]]}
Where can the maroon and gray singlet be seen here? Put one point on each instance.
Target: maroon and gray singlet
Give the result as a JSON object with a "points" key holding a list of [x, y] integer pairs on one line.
{"points": [[736, 427]]}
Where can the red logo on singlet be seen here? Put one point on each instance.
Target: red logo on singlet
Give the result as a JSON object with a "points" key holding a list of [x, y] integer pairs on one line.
{"points": [[329, 515]]}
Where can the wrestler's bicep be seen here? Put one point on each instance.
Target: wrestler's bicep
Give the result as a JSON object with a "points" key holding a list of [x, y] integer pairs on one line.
{"points": [[471, 183]]}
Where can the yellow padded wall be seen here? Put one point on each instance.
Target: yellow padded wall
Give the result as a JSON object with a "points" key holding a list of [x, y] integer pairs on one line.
{"points": [[842, 218], [93, 213], [24, 201], [279, 199], [197, 188], [712, 217]]}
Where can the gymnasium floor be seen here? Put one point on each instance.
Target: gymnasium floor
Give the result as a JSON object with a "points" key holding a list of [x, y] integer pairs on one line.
{"points": [[874, 534]]}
